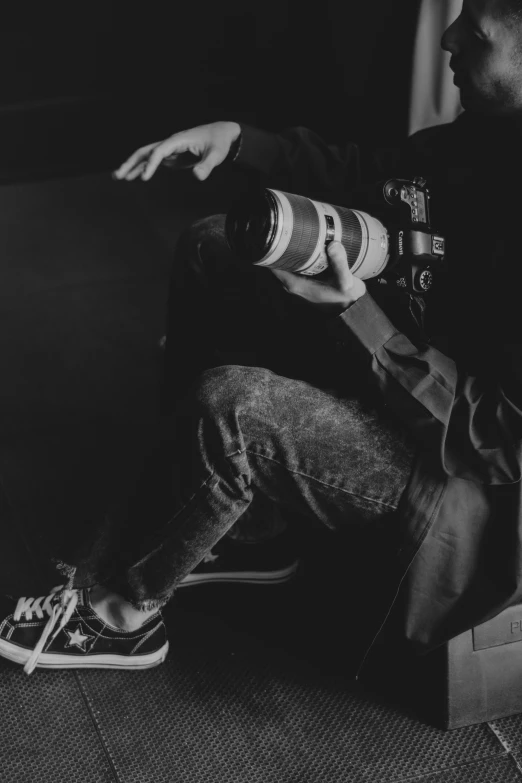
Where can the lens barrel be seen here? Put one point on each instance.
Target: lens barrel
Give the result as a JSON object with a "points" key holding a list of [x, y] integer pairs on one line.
{"points": [[285, 231]]}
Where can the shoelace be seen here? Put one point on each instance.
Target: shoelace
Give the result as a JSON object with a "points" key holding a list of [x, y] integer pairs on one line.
{"points": [[59, 605]]}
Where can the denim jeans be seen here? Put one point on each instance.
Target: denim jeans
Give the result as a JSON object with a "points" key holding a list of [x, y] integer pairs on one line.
{"points": [[257, 403]]}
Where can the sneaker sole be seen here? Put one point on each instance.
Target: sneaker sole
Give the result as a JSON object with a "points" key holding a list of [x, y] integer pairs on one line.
{"points": [[56, 661], [243, 577]]}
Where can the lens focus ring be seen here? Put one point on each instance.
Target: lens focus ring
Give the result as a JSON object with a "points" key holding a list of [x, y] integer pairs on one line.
{"points": [[305, 235]]}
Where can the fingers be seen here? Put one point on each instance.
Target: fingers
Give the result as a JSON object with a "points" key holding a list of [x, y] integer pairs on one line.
{"points": [[159, 152], [294, 284], [135, 161], [212, 159], [145, 161], [136, 172], [210, 144], [341, 278]]}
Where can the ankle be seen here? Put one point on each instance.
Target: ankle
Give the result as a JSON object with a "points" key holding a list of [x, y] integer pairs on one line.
{"points": [[114, 610]]}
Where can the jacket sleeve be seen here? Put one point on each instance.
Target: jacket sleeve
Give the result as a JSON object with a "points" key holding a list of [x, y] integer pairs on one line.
{"points": [[473, 422], [300, 161]]}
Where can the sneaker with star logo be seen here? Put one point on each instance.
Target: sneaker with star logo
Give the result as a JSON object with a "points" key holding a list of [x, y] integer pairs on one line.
{"points": [[62, 631]]}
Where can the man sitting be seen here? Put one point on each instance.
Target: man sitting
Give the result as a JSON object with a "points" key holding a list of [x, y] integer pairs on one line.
{"points": [[327, 396]]}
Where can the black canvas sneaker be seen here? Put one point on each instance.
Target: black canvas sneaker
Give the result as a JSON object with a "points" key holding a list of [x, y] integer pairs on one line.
{"points": [[265, 563], [62, 631]]}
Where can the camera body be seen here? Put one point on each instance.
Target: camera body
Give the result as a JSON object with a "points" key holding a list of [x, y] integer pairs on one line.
{"points": [[415, 249], [286, 231]]}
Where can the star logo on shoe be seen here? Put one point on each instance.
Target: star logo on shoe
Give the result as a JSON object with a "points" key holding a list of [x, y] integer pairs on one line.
{"points": [[78, 638], [210, 557]]}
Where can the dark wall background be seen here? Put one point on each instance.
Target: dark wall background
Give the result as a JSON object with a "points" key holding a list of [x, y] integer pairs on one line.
{"points": [[83, 290], [83, 84]]}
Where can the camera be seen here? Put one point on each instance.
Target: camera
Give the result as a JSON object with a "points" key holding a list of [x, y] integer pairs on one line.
{"points": [[285, 231]]}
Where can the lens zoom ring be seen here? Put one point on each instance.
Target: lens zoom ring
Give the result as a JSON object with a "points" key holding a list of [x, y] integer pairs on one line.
{"points": [[304, 236], [352, 234]]}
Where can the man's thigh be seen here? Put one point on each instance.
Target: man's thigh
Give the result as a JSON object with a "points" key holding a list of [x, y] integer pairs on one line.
{"points": [[315, 451]]}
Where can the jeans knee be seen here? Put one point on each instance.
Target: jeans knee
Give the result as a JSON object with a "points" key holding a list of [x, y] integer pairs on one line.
{"points": [[223, 392]]}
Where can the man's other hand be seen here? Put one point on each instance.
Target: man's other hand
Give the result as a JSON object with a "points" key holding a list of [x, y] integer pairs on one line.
{"points": [[336, 290], [206, 147]]}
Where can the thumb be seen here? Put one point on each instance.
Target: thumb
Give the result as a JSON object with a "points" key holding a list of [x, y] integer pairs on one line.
{"points": [[339, 262], [209, 162], [345, 280]]}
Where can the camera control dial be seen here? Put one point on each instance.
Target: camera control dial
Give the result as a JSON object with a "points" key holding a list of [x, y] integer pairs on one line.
{"points": [[425, 280]]}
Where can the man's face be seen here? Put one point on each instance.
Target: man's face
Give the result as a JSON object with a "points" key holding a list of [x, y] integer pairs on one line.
{"points": [[486, 49]]}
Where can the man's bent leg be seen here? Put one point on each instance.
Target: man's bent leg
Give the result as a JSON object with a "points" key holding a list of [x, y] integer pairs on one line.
{"points": [[249, 429], [222, 311]]}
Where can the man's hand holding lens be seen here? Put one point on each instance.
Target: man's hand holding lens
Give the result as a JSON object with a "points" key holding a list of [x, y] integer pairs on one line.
{"points": [[334, 292]]}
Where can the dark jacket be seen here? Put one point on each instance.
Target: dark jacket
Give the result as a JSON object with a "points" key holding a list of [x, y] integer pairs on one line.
{"points": [[457, 387]]}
